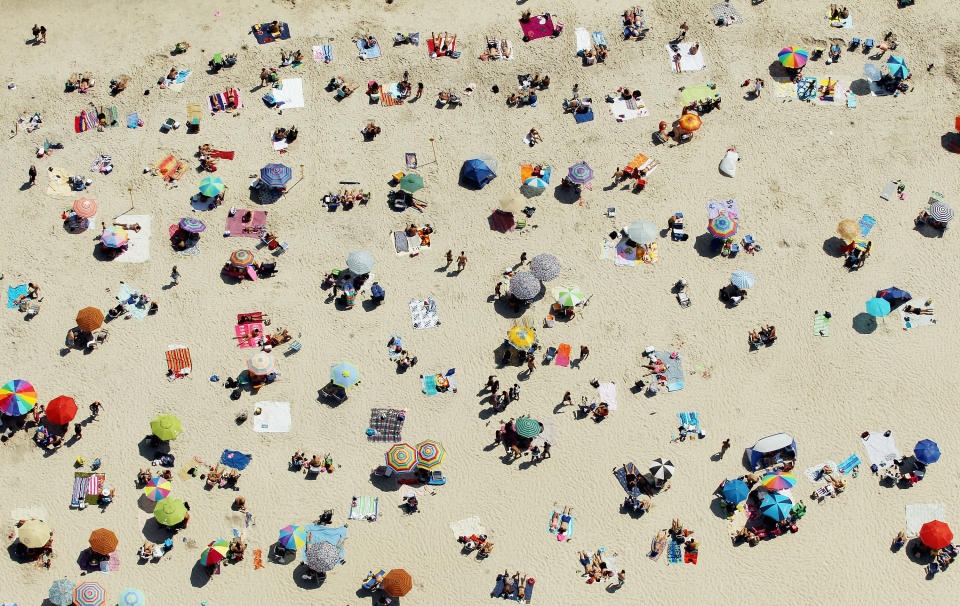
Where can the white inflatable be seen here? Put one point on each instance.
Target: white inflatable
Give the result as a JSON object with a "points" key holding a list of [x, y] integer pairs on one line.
{"points": [[728, 165]]}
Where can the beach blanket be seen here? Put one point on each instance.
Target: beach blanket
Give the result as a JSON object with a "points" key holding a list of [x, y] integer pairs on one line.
{"points": [[86, 488], [583, 39], [851, 100], [237, 228], [58, 185], [387, 424], [138, 244], [361, 507], [429, 384], [400, 242], [919, 514], [272, 417], [581, 117], [845, 23], [245, 334], [607, 392], [848, 464], [881, 449], [674, 373], [599, 39], [690, 420], [133, 120], [784, 88], [91, 119], [889, 190], [563, 355], [179, 361], [263, 36], [627, 254], [539, 26], [727, 207], [866, 223], [807, 88], [366, 52], [627, 109], [128, 296], [815, 473], [674, 552], [821, 325], [14, 293], [235, 459], [390, 96], [424, 313], [556, 529], [621, 474], [290, 94], [220, 102], [326, 53], [111, 564], [498, 589], [910, 320], [691, 94], [451, 47], [726, 12], [688, 62], [324, 534], [549, 434]]}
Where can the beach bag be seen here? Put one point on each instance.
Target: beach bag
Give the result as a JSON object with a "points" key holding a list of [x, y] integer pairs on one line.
{"points": [[728, 166]]}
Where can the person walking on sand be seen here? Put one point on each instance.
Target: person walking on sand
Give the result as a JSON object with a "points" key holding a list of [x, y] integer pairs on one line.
{"points": [[531, 365], [523, 259], [32, 173], [264, 77], [584, 352], [449, 258], [461, 261], [419, 90], [496, 289], [175, 276], [724, 447], [95, 409], [77, 432]]}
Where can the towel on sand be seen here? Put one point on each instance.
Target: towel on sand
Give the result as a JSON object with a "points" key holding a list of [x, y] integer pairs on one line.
{"points": [[362, 507], [919, 514], [290, 94], [688, 62], [911, 320], [881, 449], [821, 325], [366, 52], [424, 314], [726, 12], [272, 417], [138, 244], [583, 39], [690, 94], [252, 229], [674, 373], [607, 392], [263, 36], [628, 109], [14, 293], [387, 424], [728, 207], [538, 27], [134, 310]]}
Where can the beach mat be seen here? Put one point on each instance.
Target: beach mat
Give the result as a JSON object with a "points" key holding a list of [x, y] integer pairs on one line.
{"points": [[599, 39], [727, 207], [785, 88], [627, 109], [557, 530], [272, 417], [848, 464], [264, 37], [13, 293], [582, 37], [134, 310], [423, 313], [845, 23], [368, 53], [674, 373], [690, 94], [821, 325], [807, 88], [431, 47], [237, 228], [674, 552], [387, 425], [138, 243], [889, 190], [815, 473], [607, 393], [179, 360], [362, 507], [563, 355], [539, 26], [919, 514], [429, 384], [910, 320], [688, 62], [881, 449], [621, 474], [581, 117], [290, 94], [866, 223], [400, 242]]}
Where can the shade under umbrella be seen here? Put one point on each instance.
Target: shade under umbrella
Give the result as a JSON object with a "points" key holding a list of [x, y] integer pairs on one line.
{"points": [[722, 226], [292, 537], [241, 258], [779, 481], [580, 173], [261, 363], [275, 175], [545, 267], [89, 319], [927, 452], [61, 410], [522, 337], [776, 506], [360, 262], [642, 232], [17, 397], [192, 225], [940, 211], [166, 427], [170, 512], [89, 594], [61, 592], [936, 534], [34, 533], [85, 208], [569, 296], [527, 427], [344, 375], [401, 457], [157, 489], [525, 286], [661, 469], [878, 307], [411, 183], [397, 583], [735, 491], [103, 541], [742, 279], [321, 557], [430, 454], [114, 237], [848, 229], [131, 597], [211, 186]]}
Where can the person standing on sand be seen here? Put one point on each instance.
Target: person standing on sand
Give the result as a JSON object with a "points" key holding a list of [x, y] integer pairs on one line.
{"points": [[419, 90], [461, 261], [43, 34], [496, 289], [724, 447], [683, 30], [523, 259], [449, 259], [95, 409], [77, 432], [36, 34], [531, 365], [174, 276], [545, 453], [584, 352], [264, 77], [32, 173]]}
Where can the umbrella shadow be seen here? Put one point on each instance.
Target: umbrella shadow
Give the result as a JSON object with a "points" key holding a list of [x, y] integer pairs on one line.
{"points": [[860, 87], [832, 246], [776, 70], [950, 142], [502, 306], [718, 509], [384, 483], [928, 231], [150, 447], [566, 195], [306, 578], [917, 552], [704, 246], [155, 532], [864, 323], [201, 574]]}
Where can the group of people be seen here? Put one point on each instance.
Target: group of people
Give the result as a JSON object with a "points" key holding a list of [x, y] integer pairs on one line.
{"points": [[765, 336], [314, 464], [595, 568], [634, 21], [516, 445], [475, 541], [347, 198]]}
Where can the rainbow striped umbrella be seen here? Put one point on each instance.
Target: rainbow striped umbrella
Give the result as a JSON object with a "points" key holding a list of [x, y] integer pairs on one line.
{"points": [[241, 258], [779, 481], [401, 457], [722, 226], [85, 207], [157, 489], [212, 186], [114, 237], [793, 57], [293, 537], [430, 454], [89, 594], [261, 363], [131, 597], [192, 225], [215, 551], [17, 398]]}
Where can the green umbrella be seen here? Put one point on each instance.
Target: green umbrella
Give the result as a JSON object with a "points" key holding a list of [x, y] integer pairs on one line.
{"points": [[170, 512], [527, 427], [569, 296], [212, 186], [166, 427], [411, 183]]}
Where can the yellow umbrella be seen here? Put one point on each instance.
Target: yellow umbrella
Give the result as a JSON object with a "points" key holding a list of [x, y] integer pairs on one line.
{"points": [[522, 337], [34, 534]]}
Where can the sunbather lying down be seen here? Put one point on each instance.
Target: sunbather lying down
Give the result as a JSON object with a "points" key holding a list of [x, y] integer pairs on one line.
{"points": [[135, 226]]}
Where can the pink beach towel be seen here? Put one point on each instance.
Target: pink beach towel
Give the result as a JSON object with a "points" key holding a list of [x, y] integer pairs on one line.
{"points": [[252, 273], [95, 484], [563, 355], [245, 336], [253, 229], [538, 27]]}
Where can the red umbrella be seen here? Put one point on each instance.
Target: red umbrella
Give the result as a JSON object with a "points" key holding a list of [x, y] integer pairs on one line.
{"points": [[61, 410], [936, 534]]}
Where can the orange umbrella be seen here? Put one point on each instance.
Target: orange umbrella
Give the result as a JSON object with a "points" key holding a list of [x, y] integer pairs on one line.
{"points": [[397, 583], [690, 122], [89, 319], [103, 541], [85, 207]]}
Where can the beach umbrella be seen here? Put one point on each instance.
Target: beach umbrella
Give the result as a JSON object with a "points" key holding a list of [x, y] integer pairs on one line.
{"points": [[85, 207], [897, 67], [215, 551], [511, 204], [401, 457], [61, 410], [642, 232], [722, 226], [927, 451], [397, 583], [742, 279], [894, 294], [527, 427], [166, 427], [360, 262], [89, 594], [241, 258], [192, 225], [569, 296], [114, 237], [872, 72], [344, 375], [525, 286], [275, 175], [261, 363], [89, 319], [940, 211], [131, 597], [534, 186], [662, 469], [776, 506], [522, 337], [34, 533], [848, 229], [479, 171], [170, 512], [292, 537], [157, 489], [690, 122], [580, 173], [17, 398], [545, 267], [735, 491], [212, 186], [779, 481], [321, 556], [411, 183], [61, 592], [793, 57], [103, 541], [936, 534], [878, 307], [430, 454]]}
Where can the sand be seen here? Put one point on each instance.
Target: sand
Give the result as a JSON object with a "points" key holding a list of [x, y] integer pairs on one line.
{"points": [[803, 169]]}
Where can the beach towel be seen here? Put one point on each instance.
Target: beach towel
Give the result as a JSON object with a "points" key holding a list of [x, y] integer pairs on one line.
{"points": [[219, 102], [237, 228], [657, 546], [563, 355], [556, 529], [815, 473], [86, 487], [179, 361], [272, 417], [889, 190], [429, 384], [607, 392], [910, 320], [881, 449], [79, 492], [784, 88], [327, 53], [851, 100], [581, 117], [845, 23], [451, 47], [368, 52], [280, 145], [58, 185], [599, 39], [691, 94], [290, 94], [690, 557], [549, 434], [79, 123], [235, 459], [807, 88], [726, 12], [627, 109], [467, 527], [387, 424], [627, 254], [138, 244], [424, 313], [263, 36], [674, 373], [361, 507], [14, 293], [400, 242], [690, 420], [919, 514], [390, 97], [132, 308], [727, 207], [866, 223], [675, 552], [324, 534], [848, 464], [583, 39], [92, 120], [821, 325], [111, 564], [621, 475], [539, 26], [498, 589], [688, 62]]}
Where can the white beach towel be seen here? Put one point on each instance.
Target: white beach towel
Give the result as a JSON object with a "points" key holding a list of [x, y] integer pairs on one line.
{"points": [[813, 473], [688, 62], [909, 320], [918, 515], [549, 434], [467, 527], [607, 392], [281, 144], [583, 39], [506, 50], [138, 247], [424, 314], [623, 110], [881, 449], [290, 94], [274, 417], [784, 88]]}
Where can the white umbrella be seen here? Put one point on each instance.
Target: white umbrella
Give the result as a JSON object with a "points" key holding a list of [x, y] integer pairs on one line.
{"points": [[360, 262], [525, 286], [321, 556], [642, 232], [545, 267]]}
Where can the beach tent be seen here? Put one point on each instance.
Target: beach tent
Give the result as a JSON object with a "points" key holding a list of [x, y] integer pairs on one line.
{"points": [[779, 445], [479, 171]]}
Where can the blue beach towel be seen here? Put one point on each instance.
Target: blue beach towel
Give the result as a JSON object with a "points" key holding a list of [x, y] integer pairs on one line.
{"points": [[430, 384], [807, 88], [689, 418], [235, 459], [368, 53], [848, 465], [866, 224], [182, 76], [133, 120], [674, 374], [569, 532], [622, 477], [13, 292], [499, 588], [264, 36], [598, 39], [674, 552], [586, 116]]}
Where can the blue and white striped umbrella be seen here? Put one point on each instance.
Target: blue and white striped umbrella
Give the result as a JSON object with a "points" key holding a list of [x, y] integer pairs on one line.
{"points": [[742, 279]]}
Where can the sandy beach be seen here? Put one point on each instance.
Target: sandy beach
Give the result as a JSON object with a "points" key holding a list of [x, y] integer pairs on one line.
{"points": [[804, 166]]}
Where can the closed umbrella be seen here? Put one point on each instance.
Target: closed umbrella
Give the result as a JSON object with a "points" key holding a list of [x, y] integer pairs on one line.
{"points": [[878, 307], [940, 211], [89, 319], [569, 296], [580, 173], [215, 551], [131, 597], [522, 337], [34, 534], [927, 452], [321, 557], [776, 506], [936, 534], [642, 232], [344, 375], [61, 592], [17, 398], [275, 175], [545, 267], [89, 594], [411, 183], [525, 286], [527, 427], [261, 363], [735, 491], [157, 489], [661, 469], [293, 537], [722, 226], [848, 229], [114, 237], [103, 541], [241, 258], [360, 262], [397, 583], [211, 186], [85, 208], [166, 427], [779, 481], [192, 225], [61, 410], [742, 279], [170, 512], [430, 454], [401, 457], [690, 122]]}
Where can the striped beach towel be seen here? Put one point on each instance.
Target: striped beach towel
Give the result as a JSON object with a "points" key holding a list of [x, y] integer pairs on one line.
{"points": [[387, 99], [363, 507], [674, 552], [866, 223], [821, 325], [245, 334], [178, 359], [327, 52], [94, 485], [79, 489], [92, 120]]}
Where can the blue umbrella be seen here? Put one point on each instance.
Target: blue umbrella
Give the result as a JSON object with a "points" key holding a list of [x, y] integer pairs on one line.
{"points": [[897, 67], [735, 491], [894, 294], [776, 506], [61, 592], [131, 597], [344, 375], [479, 171], [275, 175], [742, 279], [878, 307], [927, 451]]}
